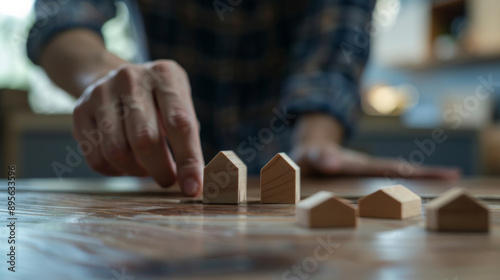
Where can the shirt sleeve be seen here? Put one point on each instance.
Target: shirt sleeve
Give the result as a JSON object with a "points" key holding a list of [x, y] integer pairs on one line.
{"points": [[329, 51], [53, 17]]}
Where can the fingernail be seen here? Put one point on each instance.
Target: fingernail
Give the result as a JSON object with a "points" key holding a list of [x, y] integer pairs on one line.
{"points": [[190, 186]]}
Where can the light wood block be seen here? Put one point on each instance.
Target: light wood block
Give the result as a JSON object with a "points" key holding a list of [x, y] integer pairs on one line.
{"points": [[396, 202], [225, 179], [324, 209], [280, 181], [456, 210]]}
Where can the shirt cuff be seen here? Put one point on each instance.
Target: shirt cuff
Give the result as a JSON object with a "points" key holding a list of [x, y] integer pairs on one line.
{"points": [[85, 14], [323, 92], [36, 43]]}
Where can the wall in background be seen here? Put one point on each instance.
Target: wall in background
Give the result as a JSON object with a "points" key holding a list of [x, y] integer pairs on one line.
{"points": [[400, 55]]}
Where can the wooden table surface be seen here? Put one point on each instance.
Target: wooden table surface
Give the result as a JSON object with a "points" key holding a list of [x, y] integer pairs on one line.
{"points": [[128, 229]]}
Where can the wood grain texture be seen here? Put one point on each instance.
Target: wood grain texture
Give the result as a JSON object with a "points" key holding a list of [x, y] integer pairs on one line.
{"points": [[456, 210], [92, 229], [396, 202], [325, 209], [225, 179], [280, 181]]}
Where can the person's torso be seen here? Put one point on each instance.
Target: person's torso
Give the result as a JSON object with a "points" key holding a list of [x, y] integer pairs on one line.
{"points": [[235, 56]]}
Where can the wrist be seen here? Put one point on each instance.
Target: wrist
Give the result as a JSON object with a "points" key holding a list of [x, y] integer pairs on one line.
{"points": [[102, 66], [76, 58], [317, 128]]}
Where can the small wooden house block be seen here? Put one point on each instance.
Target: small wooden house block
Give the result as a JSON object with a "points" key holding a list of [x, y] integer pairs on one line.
{"points": [[280, 181], [396, 202], [324, 209], [225, 179], [456, 210]]}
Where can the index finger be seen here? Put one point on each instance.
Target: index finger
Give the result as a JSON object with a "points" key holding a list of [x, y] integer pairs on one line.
{"points": [[173, 97]]}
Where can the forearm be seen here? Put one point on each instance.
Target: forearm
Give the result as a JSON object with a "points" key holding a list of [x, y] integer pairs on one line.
{"points": [[76, 58], [330, 85]]}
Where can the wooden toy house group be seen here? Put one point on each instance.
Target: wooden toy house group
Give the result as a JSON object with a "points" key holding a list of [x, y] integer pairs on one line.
{"points": [[225, 180]]}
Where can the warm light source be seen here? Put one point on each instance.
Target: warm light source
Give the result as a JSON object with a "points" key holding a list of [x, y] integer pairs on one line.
{"points": [[383, 100]]}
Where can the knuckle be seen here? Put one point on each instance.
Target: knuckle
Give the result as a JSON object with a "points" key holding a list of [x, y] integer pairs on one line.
{"points": [[172, 75], [145, 141], [180, 120], [138, 94], [166, 65], [116, 152], [125, 80], [169, 67], [98, 95], [125, 73], [98, 90], [189, 164]]}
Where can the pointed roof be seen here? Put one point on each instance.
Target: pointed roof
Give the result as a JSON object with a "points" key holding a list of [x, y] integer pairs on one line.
{"points": [[228, 156], [282, 157], [398, 193], [316, 199], [319, 198], [451, 196]]}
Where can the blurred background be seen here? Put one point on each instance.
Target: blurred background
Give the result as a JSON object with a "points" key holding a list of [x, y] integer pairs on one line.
{"points": [[430, 93]]}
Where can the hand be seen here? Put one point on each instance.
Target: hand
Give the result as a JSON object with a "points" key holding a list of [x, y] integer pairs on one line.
{"points": [[332, 159], [317, 151], [129, 114]]}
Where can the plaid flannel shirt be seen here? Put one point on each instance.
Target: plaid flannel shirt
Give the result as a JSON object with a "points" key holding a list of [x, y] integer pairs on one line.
{"points": [[254, 66]]}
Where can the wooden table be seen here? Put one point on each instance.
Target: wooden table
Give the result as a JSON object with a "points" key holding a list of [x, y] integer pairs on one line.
{"points": [[127, 229]]}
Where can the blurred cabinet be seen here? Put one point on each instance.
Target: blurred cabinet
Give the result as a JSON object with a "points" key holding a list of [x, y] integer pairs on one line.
{"points": [[34, 141], [483, 31], [490, 149], [387, 137], [471, 27], [429, 34]]}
